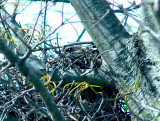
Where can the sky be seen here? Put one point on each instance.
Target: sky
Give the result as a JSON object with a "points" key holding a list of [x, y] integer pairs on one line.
{"points": [[68, 33]]}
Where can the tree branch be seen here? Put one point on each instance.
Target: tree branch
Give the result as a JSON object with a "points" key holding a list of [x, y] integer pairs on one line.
{"points": [[33, 78], [65, 1], [108, 34], [124, 62]]}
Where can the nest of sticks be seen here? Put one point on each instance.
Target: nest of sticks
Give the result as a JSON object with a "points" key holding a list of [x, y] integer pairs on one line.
{"points": [[22, 103]]}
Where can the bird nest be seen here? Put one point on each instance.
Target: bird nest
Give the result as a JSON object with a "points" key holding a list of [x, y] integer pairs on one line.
{"points": [[25, 103]]}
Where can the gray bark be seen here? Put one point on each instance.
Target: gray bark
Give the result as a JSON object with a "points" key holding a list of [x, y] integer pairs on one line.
{"points": [[97, 78], [130, 56]]}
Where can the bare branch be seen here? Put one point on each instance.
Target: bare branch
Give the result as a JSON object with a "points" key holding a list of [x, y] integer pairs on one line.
{"points": [[32, 77]]}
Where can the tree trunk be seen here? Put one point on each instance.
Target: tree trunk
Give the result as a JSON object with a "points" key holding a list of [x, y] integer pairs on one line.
{"points": [[128, 58]]}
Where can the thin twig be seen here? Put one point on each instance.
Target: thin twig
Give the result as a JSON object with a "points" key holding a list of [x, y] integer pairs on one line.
{"points": [[14, 99], [99, 108]]}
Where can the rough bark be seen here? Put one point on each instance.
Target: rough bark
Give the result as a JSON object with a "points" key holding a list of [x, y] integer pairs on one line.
{"points": [[97, 77], [152, 47], [128, 57]]}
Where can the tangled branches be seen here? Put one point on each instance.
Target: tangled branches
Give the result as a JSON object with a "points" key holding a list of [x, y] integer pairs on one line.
{"points": [[20, 103], [77, 57]]}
